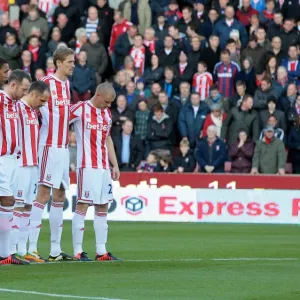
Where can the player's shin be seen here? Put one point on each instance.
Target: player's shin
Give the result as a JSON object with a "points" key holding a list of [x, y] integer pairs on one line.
{"points": [[6, 215], [15, 227], [101, 230], [78, 228], [24, 230]]}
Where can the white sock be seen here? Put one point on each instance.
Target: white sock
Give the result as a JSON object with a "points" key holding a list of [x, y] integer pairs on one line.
{"points": [[35, 225], [101, 229], [6, 215], [24, 233], [56, 223], [14, 234], [78, 231]]}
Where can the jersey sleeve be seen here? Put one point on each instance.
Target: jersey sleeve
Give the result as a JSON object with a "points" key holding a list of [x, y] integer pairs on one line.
{"points": [[75, 112]]}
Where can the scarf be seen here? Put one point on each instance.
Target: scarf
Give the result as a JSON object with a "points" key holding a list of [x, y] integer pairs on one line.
{"points": [[268, 141], [268, 15], [34, 51], [150, 45], [218, 123], [77, 48], [50, 71], [216, 99], [138, 55]]}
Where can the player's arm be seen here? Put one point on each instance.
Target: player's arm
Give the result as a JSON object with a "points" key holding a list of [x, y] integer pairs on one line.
{"points": [[112, 158], [75, 112]]}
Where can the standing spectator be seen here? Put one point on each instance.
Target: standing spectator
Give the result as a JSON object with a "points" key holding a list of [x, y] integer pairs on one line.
{"points": [[39, 74], [271, 67], [194, 53], [131, 97], [120, 82], [243, 117], [142, 119], [173, 13], [234, 52], [5, 28], [288, 34], [168, 55], [26, 63], [154, 73], [79, 41], [149, 40], [160, 28], [292, 64], [83, 79], [65, 27], [54, 41], [139, 54], [92, 22], [153, 99], [191, 119], [216, 118], [267, 15], [10, 51], [262, 38], [184, 162], [186, 19], [276, 50], [179, 38], [294, 146], [225, 73], [71, 11], [275, 26], [286, 103], [278, 132], [237, 100], [241, 153], [215, 97], [38, 51], [129, 67], [129, 147], [72, 150], [224, 27], [294, 111], [183, 98], [169, 84], [269, 155], [208, 27], [245, 12], [33, 20], [183, 70], [199, 11], [247, 75], [211, 152]]}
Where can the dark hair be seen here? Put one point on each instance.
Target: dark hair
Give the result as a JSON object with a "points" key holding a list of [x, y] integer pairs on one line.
{"points": [[154, 154], [272, 99], [230, 41], [293, 45], [266, 79], [289, 19], [18, 76], [214, 87], [2, 62], [175, 26], [39, 86], [169, 68], [203, 63], [157, 107], [246, 97], [188, 8], [192, 26], [194, 93], [272, 116], [225, 51], [240, 83], [261, 27], [167, 158]]}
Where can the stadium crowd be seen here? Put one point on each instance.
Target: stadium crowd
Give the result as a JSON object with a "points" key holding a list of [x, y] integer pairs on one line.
{"points": [[209, 86]]}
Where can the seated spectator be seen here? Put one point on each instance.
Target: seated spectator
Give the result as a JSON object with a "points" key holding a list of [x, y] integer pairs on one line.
{"points": [[120, 82], [131, 97], [184, 162], [243, 117], [271, 67], [216, 118], [160, 130], [194, 53], [272, 110], [236, 100], [166, 164], [191, 119], [294, 145], [79, 41], [245, 12], [129, 147], [119, 115], [153, 99], [288, 34], [50, 67], [269, 155], [26, 63], [292, 64], [241, 153], [129, 67], [276, 50], [5, 28], [169, 83], [294, 111], [173, 13], [168, 55], [267, 15], [39, 74], [215, 97], [140, 89], [207, 28], [10, 51], [183, 70], [38, 51], [142, 119], [160, 28], [183, 98], [149, 40], [72, 150], [83, 79], [211, 152], [150, 165], [155, 73], [263, 93], [54, 41]]}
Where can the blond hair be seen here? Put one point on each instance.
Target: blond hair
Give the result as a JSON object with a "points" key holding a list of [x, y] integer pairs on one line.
{"points": [[61, 54]]}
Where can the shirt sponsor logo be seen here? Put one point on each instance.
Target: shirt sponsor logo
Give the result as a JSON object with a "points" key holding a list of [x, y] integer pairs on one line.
{"points": [[62, 102], [97, 126], [32, 122], [224, 75], [13, 115]]}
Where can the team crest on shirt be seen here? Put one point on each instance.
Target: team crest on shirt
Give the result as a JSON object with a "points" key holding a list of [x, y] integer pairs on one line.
{"points": [[87, 115], [20, 193], [53, 93], [48, 177], [86, 194]]}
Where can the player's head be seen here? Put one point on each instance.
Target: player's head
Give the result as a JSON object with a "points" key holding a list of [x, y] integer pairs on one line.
{"points": [[38, 94], [104, 96], [18, 84], [4, 68], [64, 61]]}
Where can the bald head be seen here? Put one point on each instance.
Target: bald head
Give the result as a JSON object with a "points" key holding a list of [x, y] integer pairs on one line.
{"points": [[104, 96]]}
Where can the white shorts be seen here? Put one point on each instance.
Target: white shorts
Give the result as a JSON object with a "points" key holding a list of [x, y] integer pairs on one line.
{"points": [[8, 172], [94, 186], [27, 178], [54, 167]]}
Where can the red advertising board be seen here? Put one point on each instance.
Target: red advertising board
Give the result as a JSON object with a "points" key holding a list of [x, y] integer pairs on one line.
{"points": [[215, 181]]}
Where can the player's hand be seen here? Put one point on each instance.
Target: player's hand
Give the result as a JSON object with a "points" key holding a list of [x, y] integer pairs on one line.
{"points": [[115, 173]]}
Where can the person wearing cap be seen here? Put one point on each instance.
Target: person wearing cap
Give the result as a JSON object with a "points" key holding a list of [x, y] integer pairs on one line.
{"points": [[173, 13], [244, 13], [278, 132], [269, 154]]}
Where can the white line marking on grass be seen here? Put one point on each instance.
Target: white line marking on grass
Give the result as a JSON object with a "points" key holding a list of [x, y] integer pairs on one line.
{"points": [[55, 295]]}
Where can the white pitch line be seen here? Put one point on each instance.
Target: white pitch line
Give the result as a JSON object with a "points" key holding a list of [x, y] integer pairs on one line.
{"points": [[55, 295]]}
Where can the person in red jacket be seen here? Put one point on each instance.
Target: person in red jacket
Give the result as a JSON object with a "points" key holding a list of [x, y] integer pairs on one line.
{"points": [[245, 12]]}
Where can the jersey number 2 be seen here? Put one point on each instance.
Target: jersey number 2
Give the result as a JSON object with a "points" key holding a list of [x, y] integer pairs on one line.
{"points": [[110, 189]]}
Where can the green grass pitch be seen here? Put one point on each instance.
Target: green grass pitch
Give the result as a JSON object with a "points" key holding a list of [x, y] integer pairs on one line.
{"points": [[181, 276]]}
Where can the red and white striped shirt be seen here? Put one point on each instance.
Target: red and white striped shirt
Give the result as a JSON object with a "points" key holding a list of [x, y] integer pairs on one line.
{"points": [[28, 134], [139, 57], [46, 5], [8, 125], [92, 127], [202, 83], [55, 114]]}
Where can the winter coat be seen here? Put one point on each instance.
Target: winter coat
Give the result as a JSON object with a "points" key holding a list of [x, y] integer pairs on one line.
{"points": [[84, 79], [187, 74], [238, 119], [256, 54], [214, 156], [121, 49], [280, 116], [294, 76], [180, 102], [279, 56], [294, 148], [168, 59], [190, 126], [41, 61], [11, 54], [261, 98], [117, 122], [160, 34], [211, 58], [241, 157], [290, 9], [187, 162], [250, 80], [273, 30], [143, 12], [207, 28], [266, 18], [194, 58], [27, 25], [71, 11], [244, 16], [269, 158], [150, 76], [223, 101], [174, 84], [289, 38]]}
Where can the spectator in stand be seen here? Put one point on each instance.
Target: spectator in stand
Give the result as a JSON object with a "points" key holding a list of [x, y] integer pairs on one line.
{"points": [[65, 27], [160, 28], [235, 56], [72, 151], [155, 73], [183, 98], [215, 97], [294, 145], [243, 117], [92, 23], [183, 69], [271, 67], [254, 24], [129, 148], [153, 99], [129, 67], [149, 40], [241, 153], [276, 50], [237, 100], [208, 27], [142, 119], [83, 79], [26, 63], [220, 6], [292, 64], [269, 155], [224, 27], [160, 130], [245, 12], [184, 162], [275, 26], [259, 5], [10, 51], [120, 82], [5, 28], [267, 15], [169, 83], [191, 119], [33, 20], [225, 74], [55, 40], [194, 53], [140, 89], [97, 56], [186, 19], [71, 11], [168, 55], [138, 12], [166, 163], [38, 51], [150, 165], [278, 132], [200, 13], [262, 40], [131, 98], [263, 93], [287, 103], [289, 34], [247, 75], [290, 9], [123, 45], [211, 152], [281, 82], [173, 13], [216, 118], [202, 81], [180, 39], [211, 55], [294, 112], [39, 74], [79, 41]]}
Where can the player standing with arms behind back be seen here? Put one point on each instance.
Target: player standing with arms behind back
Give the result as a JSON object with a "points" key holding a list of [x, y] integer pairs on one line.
{"points": [[54, 154], [92, 121]]}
